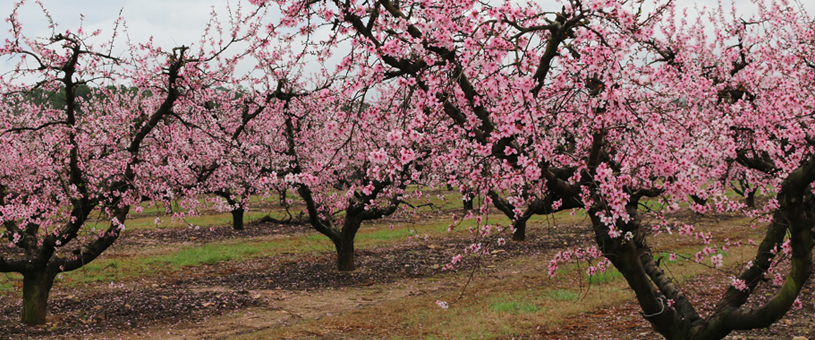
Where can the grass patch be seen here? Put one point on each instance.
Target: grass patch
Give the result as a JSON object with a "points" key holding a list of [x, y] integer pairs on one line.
{"points": [[561, 295], [610, 275], [514, 307], [6, 281], [212, 254], [106, 270], [207, 220], [97, 271]]}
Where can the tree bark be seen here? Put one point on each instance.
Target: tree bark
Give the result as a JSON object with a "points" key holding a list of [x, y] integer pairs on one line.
{"points": [[237, 218], [237, 213], [468, 201], [36, 287], [345, 256], [698, 200], [345, 243], [520, 229], [750, 199], [281, 198], [519, 221]]}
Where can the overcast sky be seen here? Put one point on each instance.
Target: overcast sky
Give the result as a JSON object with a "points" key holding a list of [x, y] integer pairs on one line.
{"points": [[170, 22]]}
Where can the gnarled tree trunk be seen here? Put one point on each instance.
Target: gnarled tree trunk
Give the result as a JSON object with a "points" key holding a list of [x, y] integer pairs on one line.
{"points": [[679, 320], [520, 228], [519, 222], [750, 199], [237, 218], [345, 255], [468, 200], [36, 287], [344, 243], [237, 213]]}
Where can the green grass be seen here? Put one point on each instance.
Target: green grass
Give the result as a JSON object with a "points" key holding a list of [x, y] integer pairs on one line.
{"points": [[106, 270], [514, 307], [380, 234], [561, 295], [213, 254], [610, 275], [6, 280], [385, 234], [208, 220]]}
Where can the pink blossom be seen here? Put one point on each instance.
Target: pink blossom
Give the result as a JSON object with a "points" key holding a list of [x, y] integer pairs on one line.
{"points": [[442, 304], [786, 247], [368, 189], [395, 137], [738, 284], [797, 304], [552, 268], [378, 156], [406, 156], [716, 260], [778, 280]]}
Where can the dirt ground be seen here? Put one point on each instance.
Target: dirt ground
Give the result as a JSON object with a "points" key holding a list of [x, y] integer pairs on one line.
{"points": [[282, 287], [223, 301]]}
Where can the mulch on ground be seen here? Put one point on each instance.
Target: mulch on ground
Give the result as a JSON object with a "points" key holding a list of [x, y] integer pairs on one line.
{"points": [[209, 290]]}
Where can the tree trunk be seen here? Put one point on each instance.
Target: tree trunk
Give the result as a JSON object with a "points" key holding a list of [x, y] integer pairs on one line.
{"points": [[36, 287], [345, 255], [750, 199], [469, 197], [698, 200], [520, 229], [237, 218], [345, 243]]}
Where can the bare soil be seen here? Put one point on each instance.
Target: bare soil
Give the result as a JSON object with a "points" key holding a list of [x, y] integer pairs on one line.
{"points": [[624, 321], [207, 291], [229, 299]]}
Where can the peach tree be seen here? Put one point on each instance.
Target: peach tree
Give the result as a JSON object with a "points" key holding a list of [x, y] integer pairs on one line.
{"points": [[601, 105], [73, 169]]}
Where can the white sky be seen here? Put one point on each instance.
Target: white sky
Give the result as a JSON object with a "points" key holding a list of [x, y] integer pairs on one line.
{"points": [[170, 22]]}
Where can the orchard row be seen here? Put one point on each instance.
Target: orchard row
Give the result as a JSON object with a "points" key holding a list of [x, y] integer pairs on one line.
{"points": [[593, 105]]}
